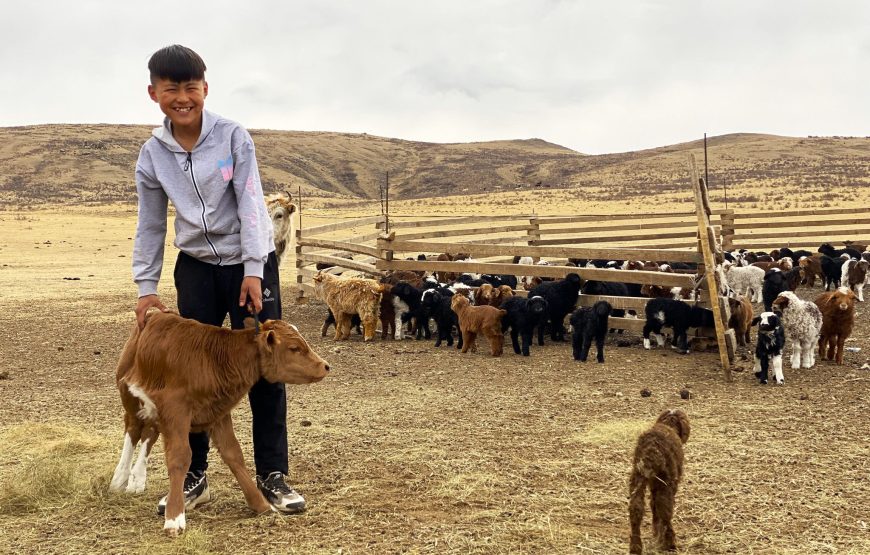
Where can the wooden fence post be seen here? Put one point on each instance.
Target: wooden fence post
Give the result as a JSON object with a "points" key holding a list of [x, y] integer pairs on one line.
{"points": [[300, 294], [728, 229], [534, 234], [708, 251]]}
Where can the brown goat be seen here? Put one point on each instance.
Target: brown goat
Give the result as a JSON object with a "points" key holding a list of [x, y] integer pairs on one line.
{"points": [[784, 264], [658, 465], [812, 267], [483, 294], [500, 295], [741, 318], [479, 319], [838, 318], [408, 276]]}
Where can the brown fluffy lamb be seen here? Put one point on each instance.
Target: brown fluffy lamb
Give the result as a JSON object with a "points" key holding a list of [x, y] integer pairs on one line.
{"points": [[500, 294], [812, 267], [741, 318], [474, 320], [838, 317], [657, 465], [348, 296]]}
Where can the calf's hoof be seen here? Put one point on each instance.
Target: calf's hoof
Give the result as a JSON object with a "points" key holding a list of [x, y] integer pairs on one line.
{"points": [[172, 527]]}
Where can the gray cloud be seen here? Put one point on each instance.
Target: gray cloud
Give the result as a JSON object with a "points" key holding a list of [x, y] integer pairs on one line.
{"points": [[597, 77]]}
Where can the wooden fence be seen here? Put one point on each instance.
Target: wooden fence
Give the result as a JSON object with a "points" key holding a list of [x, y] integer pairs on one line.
{"points": [[378, 244]]}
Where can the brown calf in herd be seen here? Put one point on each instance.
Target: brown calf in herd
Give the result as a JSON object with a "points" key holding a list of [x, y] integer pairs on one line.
{"points": [[838, 317], [178, 376], [741, 318]]}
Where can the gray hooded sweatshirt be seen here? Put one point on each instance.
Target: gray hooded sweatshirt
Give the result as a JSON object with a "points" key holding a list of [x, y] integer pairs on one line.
{"points": [[221, 216]]}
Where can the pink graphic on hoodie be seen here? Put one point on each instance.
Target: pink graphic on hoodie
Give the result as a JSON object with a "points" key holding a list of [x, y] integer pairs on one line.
{"points": [[226, 167]]}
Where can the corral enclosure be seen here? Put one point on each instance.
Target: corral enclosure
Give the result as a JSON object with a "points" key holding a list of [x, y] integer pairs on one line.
{"points": [[407, 448]]}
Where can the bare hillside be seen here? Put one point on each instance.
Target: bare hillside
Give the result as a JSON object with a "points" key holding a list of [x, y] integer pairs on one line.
{"points": [[93, 164]]}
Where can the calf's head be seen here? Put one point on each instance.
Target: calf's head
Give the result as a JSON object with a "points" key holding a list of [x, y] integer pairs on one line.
{"points": [[284, 355]]}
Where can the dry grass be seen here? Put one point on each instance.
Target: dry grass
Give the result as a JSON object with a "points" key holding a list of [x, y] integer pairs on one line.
{"points": [[414, 449]]}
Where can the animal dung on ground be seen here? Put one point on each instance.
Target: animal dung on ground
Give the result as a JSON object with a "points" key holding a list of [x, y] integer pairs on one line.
{"points": [[645, 392], [305, 423], [4, 375], [685, 394]]}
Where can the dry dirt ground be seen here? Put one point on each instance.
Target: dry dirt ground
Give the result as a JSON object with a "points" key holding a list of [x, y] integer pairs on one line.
{"points": [[410, 449]]}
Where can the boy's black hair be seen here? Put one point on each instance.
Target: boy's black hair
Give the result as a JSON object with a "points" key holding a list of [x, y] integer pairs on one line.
{"points": [[176, 63]]}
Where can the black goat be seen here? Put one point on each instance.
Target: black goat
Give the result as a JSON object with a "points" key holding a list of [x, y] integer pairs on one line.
{"points": [[670, 313], [590, 323], [832, 271], [561, 297], [412, 296], [829, 250], [436, 304], [775, 282], [523, 315], [355, 322]]}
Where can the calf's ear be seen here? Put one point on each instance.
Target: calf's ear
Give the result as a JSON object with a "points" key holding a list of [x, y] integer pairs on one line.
{"points": [[755, 321]]}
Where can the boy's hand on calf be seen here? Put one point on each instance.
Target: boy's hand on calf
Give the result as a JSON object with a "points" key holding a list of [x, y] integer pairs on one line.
{"points": [[142, 306], [252, 288]]}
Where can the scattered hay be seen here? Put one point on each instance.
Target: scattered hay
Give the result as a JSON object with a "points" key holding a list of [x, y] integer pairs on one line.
{"points": [[622, 432], [49, 465]]}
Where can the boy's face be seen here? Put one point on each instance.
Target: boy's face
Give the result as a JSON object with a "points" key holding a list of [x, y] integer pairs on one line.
{"points": [[181, 102]]}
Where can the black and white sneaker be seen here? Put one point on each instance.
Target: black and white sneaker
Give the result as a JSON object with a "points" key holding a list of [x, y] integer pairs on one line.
{"points": [[195, 493], [282, 497]]}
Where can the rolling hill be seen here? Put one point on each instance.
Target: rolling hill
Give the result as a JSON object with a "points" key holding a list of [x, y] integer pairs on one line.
{"points": [[93, 164]]}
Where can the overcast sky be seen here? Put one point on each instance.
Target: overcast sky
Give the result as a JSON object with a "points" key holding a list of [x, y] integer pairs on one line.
{"points": [[596, 77]]}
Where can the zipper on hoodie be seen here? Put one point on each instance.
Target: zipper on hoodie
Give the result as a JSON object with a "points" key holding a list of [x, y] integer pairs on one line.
{"points": [[188, 165]]}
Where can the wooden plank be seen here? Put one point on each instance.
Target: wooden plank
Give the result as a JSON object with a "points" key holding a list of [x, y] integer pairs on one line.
{"points": [[320, 229], [701, 203], [342, 262], [483, 249], [626, 303], [452, 220], [812, 233], [777, 223], [620, 238], [599, 228], [765, 244], [550, 220], [467, 231], [339, 246], [807, 212], [651, 278]]}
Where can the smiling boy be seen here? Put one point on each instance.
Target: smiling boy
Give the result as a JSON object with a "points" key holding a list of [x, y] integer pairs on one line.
{"points": [[205, 165]]}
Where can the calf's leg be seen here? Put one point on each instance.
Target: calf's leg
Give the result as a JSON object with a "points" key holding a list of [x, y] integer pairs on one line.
{"points": [[178, 457], [225, 440]]}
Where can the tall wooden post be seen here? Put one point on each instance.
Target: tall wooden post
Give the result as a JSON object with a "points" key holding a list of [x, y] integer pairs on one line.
{"points": [[708, 252], [300, 293]]}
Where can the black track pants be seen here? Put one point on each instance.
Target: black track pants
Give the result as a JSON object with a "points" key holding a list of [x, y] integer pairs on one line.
{"points": [[206, 293]]}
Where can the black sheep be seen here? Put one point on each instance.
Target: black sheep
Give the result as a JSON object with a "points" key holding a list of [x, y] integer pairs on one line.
{"points": [[523, 315], [500, 279], [829, 250], [411, 296], [769, 347], [832, 271], [795, 256], [670, 313], [561, 297], [775, 282], [355, 322], [436, 304], [589, 323]]}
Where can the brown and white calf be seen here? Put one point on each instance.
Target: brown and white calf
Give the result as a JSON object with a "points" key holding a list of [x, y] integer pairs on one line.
{"points": [[178, 376]]}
